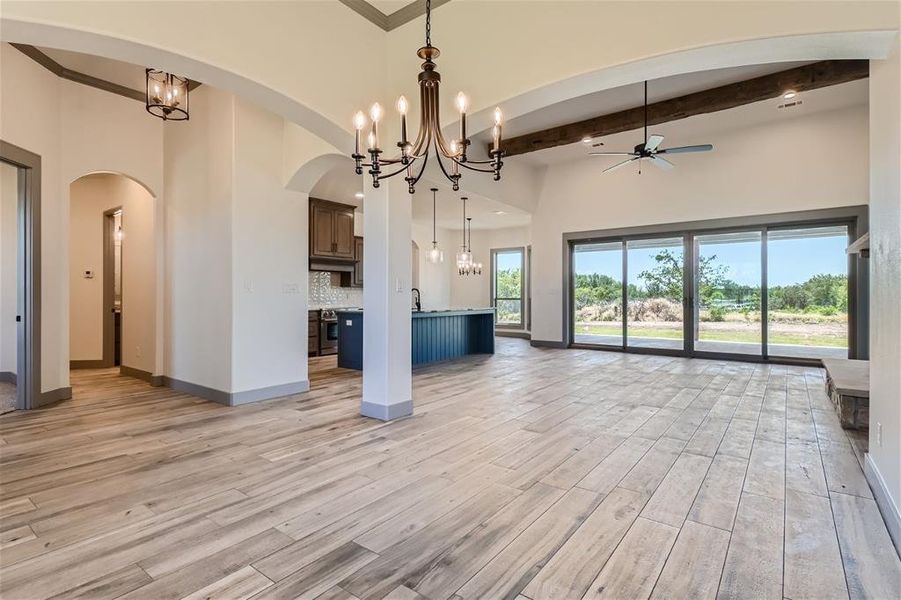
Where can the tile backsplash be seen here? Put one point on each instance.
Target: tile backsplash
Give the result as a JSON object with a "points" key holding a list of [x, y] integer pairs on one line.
{"points": [[322, 294]]}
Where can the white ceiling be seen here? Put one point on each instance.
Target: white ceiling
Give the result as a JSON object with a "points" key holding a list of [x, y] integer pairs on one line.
{"points": [[341, 183], [122, 73]]}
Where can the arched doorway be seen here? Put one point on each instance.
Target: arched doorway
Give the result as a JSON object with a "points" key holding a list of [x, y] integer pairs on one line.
{"points": [[113, 275]]}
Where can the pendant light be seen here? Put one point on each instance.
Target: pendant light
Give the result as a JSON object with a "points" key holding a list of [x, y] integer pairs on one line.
{"points": [[464, 257], [435, 255], [465, 264], [475, 268], [166, 95]]}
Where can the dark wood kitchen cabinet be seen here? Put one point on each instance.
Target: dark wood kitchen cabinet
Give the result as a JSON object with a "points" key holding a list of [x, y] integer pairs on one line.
{"points": [[358, 262], [331, 230]]}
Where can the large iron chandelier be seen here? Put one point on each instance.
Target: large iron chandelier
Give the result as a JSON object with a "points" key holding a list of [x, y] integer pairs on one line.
{"points": [[166, 95], [429, 135], [465, 263]]}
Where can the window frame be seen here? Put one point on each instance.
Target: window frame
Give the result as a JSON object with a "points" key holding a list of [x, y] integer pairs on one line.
{"points": [[522, 287]]}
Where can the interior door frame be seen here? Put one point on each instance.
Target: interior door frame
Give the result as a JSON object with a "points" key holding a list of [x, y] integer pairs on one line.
{"points": [[109, 288], [854, 217], [28, 284]]}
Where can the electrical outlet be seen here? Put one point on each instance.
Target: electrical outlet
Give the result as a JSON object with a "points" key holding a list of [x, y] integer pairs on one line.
{"points": [[290, 288], [138, 351], [879, 434]]}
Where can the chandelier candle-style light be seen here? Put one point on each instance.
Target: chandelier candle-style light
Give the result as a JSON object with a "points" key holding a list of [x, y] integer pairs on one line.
{"points": [[465, 264], [429, 135], [435, 255], [167, 95]]}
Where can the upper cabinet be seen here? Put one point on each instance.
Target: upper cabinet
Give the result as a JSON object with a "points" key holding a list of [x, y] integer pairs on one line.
{"points": [[331, 230], [358, 263]]}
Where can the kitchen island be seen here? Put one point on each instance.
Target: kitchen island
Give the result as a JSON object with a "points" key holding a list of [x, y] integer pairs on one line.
{"points": [[436, 335]]}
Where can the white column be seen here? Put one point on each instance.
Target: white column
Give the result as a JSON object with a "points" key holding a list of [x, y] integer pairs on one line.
{"points": [[387, 380]]}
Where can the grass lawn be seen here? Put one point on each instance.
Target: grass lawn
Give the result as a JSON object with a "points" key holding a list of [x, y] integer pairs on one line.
{"points": [[809, 338]]}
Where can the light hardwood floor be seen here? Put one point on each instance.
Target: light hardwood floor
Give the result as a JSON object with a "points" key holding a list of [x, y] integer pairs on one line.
{"points": [[535, 473]]}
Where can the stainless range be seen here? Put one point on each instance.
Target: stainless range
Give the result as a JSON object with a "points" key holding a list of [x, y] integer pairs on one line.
{"points": [[328, 332]]}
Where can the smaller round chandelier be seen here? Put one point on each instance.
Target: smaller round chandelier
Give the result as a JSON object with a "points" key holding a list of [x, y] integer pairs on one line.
{"points": [[465, 263], [167, 95], [435, 255]]}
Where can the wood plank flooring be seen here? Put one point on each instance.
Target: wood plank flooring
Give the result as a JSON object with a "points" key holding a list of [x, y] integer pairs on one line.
{"points": [[533, 474]]}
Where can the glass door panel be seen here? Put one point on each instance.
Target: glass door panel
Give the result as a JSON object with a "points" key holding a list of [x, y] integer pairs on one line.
{"points": [[598, 294], [807, 301], [655, 290], [727, 293]]}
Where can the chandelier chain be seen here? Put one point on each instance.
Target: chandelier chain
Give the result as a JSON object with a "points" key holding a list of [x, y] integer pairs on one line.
{"points": [[428, 22]]}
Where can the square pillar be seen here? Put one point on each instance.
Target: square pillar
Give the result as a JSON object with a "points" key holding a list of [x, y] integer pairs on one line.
{"points": [[387, 318]]}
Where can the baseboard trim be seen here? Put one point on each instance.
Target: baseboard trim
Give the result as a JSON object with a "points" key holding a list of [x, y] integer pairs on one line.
{"points": [[548, 344], [7, 377], [88, 364], [236, 398], [268, 393], [53, 396], [523, 335], [154, 380], [890, 511], [386, 412]]}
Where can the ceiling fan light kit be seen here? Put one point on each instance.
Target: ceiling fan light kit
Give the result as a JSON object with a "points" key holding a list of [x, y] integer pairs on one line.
{"points": [[650, 149]]}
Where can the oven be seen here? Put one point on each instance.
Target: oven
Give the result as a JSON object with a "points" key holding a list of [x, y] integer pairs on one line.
{"points": [[328, 333]]}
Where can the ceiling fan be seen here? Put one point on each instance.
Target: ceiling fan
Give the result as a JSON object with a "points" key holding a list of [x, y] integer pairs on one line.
{"points": [[650, 149]]}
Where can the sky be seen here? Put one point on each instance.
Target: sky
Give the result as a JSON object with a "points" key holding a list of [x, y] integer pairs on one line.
{"points": [[789, 260]]}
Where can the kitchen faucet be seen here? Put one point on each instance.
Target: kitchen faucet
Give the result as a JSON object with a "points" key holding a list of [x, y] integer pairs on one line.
{"points": [[418, 299]]}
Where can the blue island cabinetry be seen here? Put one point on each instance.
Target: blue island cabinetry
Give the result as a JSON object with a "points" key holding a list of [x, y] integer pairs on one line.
{"points": [[435, 335]]}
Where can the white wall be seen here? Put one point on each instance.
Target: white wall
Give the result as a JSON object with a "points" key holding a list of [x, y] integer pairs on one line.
{"points": [[9, 200], [270, 254], [90, 197], [885, 274], [199, 177], [816, 161], [76, 130], [474, 291], [434, 279]]}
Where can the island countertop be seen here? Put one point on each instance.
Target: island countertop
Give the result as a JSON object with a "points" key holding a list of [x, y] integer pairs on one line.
{"points": [[447, 312], [436, 335]]}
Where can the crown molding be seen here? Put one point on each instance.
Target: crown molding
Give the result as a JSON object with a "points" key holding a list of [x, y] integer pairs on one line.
{"points": [[83, 78], [401, 16]]}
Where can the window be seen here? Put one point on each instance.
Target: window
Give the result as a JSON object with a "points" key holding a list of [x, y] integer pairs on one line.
{"points": [[507, 278], [722, 288]]}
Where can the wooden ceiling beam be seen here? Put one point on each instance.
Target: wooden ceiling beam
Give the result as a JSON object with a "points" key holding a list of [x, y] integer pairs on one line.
{"points": [[799, 79]]}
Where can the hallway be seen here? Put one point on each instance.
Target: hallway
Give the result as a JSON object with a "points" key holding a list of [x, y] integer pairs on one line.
{"points": [[551, 473]]}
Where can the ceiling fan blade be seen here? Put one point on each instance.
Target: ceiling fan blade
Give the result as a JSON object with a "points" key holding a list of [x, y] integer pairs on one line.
{"points": [[612, 154], [681, 149], [662, 163], [654, 140], [618, 165]]}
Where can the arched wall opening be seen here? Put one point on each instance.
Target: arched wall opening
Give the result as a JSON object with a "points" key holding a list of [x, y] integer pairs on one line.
{"points": [[113, 274]]}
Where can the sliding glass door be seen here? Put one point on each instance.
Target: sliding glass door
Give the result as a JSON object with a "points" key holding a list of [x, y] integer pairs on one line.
{"points": [[807, 281], [728, 276], [757, 292], [654, 313], [598, 294]]}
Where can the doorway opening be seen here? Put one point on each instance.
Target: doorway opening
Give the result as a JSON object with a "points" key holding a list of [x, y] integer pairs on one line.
{"points": [[113, 275], [20, 270]]}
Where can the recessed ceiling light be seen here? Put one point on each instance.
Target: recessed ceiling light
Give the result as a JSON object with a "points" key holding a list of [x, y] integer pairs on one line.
{"points": [[586, 139], [789, 94], [500, 212], [358, 195]]}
